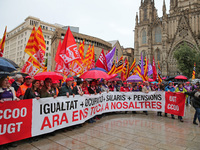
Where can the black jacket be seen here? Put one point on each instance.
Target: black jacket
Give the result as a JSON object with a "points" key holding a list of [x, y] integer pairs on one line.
{"points": [[194, 99], [98, 90], [14, 84], [29, 94], [75, 90], [64, 90]]}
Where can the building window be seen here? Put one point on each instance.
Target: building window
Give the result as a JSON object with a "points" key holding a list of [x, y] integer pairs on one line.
{"points": [[158, 54], [46, 28], [116, 52], [143, 54], [144, 37], [145, 14], [47, 48], [158, 35], [47, 42]]}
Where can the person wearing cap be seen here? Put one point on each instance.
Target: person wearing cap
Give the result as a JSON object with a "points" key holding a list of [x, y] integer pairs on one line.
{"points": [[67, 89], [124, 88], [195, 101], [170, 88], [22, 88], [188, 87], [33, 91], [18, 81]]}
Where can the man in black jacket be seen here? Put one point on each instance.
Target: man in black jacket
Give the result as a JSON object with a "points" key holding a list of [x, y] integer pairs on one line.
{"points": [[67, 89], [18, 81], [195, 103]]}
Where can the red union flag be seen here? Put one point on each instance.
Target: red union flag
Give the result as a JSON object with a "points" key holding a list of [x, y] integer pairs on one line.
{"points": [[101, 62], [69, 51], [175, 103], [154, 70], [30, 68]]}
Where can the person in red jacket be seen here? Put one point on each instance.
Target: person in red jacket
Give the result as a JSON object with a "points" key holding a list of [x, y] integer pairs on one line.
{"points": [[124, 88]]}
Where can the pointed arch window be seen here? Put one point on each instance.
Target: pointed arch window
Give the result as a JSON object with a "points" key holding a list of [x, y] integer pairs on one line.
{"points": [[158, 35], [145, 14], [158, 55], [144, 36]]}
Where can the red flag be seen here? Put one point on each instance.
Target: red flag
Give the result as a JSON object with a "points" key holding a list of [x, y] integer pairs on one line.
{"points": [[123, 73], [154, 70], [69, 51], [58, 59], [101, 62]]}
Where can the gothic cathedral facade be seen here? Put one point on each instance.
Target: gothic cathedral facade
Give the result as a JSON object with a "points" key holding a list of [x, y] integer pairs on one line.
{"points": [[161, 36]]}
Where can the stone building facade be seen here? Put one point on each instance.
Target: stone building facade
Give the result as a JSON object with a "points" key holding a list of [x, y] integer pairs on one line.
{"points": [[17, 39], [161, 36]]}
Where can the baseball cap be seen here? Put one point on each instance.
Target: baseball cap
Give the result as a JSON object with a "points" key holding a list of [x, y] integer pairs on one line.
{"points": [[28, 77]]}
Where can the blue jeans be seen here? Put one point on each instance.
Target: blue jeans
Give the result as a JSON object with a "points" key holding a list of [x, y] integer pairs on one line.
{"points": [[197, 115], [188, 100]]}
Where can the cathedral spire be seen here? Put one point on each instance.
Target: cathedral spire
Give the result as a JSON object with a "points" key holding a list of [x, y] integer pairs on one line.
{"points": [[164, 9], [136, 18]]}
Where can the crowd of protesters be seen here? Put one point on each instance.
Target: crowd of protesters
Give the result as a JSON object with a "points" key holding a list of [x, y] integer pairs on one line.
{"points": [[21, 88]]}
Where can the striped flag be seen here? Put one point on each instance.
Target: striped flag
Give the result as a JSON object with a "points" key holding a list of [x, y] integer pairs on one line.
{"points": [[145, 76], [123, 73], [113, 69], [140, 67], [127, 70], [159, 73], [87, 60], [193, 73], [131, 69], [2, 43], [119, 66], [36, 46], [81, 50]]}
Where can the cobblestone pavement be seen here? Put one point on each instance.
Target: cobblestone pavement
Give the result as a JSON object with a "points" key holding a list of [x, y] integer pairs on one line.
{"points": [[121, 132]]}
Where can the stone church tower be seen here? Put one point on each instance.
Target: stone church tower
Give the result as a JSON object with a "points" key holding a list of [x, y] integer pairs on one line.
{"points": [[160, 37]]}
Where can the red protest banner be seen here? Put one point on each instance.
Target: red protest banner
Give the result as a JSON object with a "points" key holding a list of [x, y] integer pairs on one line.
{"points": [[175, 103], [15, 120]]}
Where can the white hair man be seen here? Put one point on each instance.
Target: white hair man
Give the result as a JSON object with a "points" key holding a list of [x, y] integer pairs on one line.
{"points": [[18, 81]]}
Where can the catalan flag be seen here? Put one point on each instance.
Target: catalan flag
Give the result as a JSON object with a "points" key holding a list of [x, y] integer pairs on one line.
{"points": [[88, 57], [159, 73], [145, 76], [119, 65], [131, 69], [30, 44], [36, 46], [123, 73], [81, 50], [113, 69], [127, 70], [140, 67], [194, 70], [2, 43]]}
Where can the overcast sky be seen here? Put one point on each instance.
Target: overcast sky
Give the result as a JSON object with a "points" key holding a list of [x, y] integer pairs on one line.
{"points": [[105, 19]]}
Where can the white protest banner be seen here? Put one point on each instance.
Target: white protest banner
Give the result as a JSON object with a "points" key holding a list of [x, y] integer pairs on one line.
{"points": [[51, 114]]}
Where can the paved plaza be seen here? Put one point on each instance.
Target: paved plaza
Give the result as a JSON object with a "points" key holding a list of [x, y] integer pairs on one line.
{"points": [[122, 132]]}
